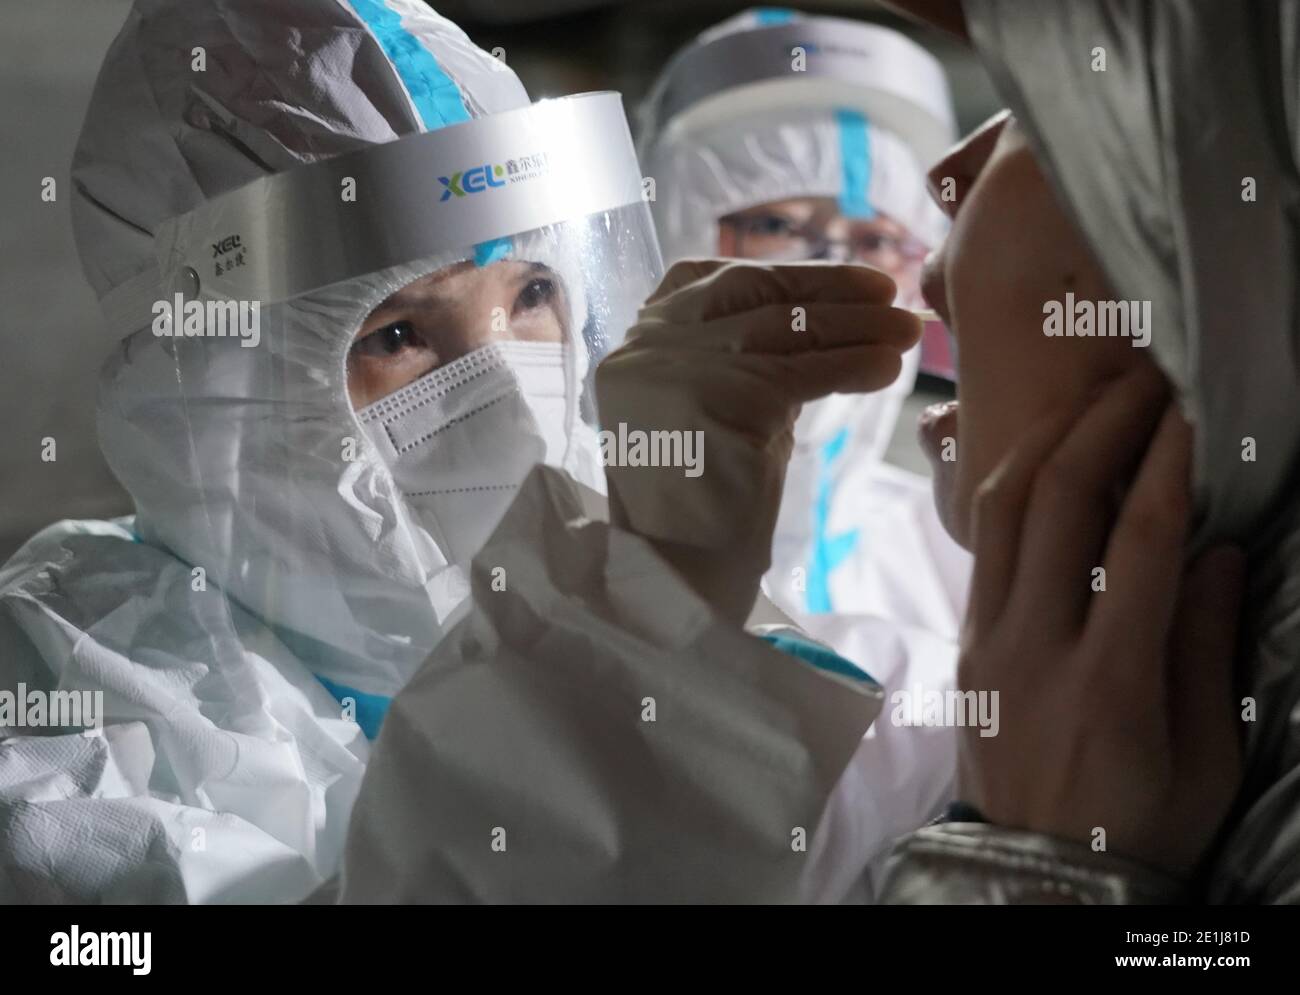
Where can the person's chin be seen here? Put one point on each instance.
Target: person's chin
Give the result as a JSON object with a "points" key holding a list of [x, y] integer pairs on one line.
{"points": [[937, 428]]}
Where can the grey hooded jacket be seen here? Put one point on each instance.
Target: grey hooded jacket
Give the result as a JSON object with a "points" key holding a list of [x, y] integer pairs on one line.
{"points": [[1178, 161]]}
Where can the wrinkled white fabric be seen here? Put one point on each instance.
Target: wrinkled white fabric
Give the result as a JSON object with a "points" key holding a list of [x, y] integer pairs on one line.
{"points": [[225, 772], [305, 82], [902, 773], [769, 156], [594, 732]]}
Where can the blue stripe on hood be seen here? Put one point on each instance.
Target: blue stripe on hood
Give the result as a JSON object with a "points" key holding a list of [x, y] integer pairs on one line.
{"points": [[855, 164], [828, 551], [434, 93], [436, 97]]}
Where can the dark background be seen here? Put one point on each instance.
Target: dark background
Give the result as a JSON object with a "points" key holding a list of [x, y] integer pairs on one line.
{"points": [[54, 339]]}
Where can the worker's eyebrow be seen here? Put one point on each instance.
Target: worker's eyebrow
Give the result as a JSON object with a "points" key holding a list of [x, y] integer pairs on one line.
{"points": [[533, 269], [417, 294], [401, 303], [426, 293], [421, 293]]}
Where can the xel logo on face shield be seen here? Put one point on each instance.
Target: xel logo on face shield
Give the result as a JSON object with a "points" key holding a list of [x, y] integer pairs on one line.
{"points": [[471, 181], [225, 245], [480, 178]]}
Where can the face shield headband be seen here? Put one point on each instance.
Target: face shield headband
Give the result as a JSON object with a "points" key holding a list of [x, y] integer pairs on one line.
{"points": [[803, 63], [289, 234]]}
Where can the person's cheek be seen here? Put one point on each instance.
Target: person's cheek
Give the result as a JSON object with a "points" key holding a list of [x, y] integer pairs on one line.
{"points": [[727, 242], [540, 324], [557, 321], [1011, 250], [367, 382], [380, 377]]}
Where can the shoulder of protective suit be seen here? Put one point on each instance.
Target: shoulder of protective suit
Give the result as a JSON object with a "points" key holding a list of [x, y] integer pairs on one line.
{"points": [[73, 574], [59, 547], [39, 601]]}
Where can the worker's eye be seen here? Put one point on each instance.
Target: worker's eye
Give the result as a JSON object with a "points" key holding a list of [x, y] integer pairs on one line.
{"points": [[539, 292], [769, 225], [388, 341]]}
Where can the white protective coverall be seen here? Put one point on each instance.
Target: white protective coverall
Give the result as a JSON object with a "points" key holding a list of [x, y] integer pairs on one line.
{"points": [[291, 561]]}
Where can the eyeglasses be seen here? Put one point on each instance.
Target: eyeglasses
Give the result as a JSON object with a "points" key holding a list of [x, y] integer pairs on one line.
{"points": [[776, 238]]}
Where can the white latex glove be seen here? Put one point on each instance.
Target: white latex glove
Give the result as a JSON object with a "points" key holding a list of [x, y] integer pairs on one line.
{"points": [[732, 350]]}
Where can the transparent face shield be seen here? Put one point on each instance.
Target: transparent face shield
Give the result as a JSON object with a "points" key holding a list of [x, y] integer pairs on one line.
{"points": [[363, 359]]}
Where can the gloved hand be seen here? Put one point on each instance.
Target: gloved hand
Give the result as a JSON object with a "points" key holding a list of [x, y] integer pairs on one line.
{"points": [[731, 350]]}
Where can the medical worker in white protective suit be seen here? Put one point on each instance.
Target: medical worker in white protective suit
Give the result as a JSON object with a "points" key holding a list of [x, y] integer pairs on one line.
{"points": [[599, 709], [360, 286], [312, 476], [777, 136]]}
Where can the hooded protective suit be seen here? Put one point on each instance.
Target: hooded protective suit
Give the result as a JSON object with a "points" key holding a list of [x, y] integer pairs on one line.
{"points": [[292, 560], [771, 105], [594, 731], [1179, 164]]}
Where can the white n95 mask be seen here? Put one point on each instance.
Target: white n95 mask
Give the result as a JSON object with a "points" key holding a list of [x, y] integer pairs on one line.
{"points": [[461, 439]]}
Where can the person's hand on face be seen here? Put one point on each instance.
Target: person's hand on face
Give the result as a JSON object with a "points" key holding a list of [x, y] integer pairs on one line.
{"points": [[722, 348], [1115, 705], [448, 314], [1112, 659]]}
